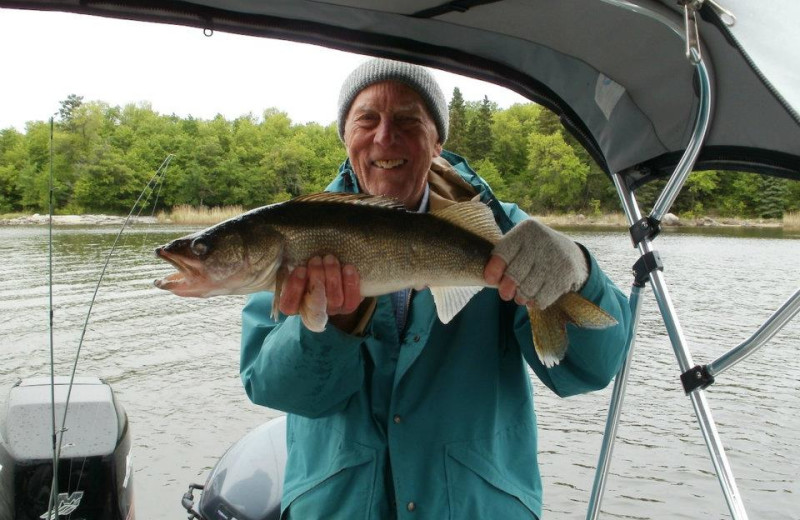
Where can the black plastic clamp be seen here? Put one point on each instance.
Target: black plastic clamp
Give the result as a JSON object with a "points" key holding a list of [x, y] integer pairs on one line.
{"points": [[696, 377], [646, 264], [645, 227]]}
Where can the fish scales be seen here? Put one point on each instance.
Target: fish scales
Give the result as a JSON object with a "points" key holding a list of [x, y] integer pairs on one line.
{"points": [[392, 249]]}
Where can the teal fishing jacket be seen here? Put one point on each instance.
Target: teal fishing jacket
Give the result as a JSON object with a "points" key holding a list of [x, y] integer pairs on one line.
{"points": [[436, 424]]}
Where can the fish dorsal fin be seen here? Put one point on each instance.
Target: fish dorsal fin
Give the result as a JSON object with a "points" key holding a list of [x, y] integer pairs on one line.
{"points": [[473, 216], [450, 300], [361, 199]]}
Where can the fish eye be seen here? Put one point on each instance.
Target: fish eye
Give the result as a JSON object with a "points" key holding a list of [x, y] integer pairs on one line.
{"points": [[199, 246]]}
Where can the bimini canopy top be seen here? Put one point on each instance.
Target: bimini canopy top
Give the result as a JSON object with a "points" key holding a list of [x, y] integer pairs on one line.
{"points": [[615, 70]]}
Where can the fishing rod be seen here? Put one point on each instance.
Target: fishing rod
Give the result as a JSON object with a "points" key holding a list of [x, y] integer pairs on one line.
{"points": [[157, 180], [54, 486]]}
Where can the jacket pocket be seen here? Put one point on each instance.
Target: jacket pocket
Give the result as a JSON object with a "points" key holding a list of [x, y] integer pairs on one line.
{"points": [[344, 491], [477, 489]]}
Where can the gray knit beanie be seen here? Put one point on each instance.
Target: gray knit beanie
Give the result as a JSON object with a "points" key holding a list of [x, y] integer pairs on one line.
{"points": [[416, 77]]}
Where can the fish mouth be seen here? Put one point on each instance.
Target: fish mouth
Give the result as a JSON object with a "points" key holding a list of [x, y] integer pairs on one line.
{"points": [[184, 282]]}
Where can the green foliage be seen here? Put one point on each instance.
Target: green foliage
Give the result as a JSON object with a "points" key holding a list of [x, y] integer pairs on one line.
{"points": [[491, 174], [792, 197], [106, 184], [104, 155], [12, 160], [557, 174], [699, 185], [511, 130]]}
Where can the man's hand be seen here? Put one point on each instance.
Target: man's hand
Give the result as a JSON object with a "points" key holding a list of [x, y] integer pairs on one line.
{"points": [[322, 288], [535, 265]]}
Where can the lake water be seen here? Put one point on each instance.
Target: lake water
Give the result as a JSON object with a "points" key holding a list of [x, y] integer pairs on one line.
{"points": [[174, 365]]}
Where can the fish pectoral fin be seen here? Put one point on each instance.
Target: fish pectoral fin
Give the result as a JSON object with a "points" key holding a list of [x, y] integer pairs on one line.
{"points": [[280, 276], [549, 326], [450, 300], [314, 310], [313, 319], [584, 313]]}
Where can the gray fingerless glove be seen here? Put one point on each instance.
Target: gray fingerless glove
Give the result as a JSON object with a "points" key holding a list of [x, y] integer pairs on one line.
{"points": [[544, 263]]}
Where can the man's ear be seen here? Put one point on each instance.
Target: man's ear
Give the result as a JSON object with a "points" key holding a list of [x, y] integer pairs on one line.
{"points": [[437, 150]]}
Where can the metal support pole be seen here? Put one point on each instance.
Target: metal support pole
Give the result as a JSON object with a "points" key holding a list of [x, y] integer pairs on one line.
{"points": [[683, 356], [774, 323], [701, 409], [614, 411]]}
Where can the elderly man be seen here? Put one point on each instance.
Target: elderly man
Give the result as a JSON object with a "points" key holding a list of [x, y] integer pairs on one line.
{"points": [[392, 413]]}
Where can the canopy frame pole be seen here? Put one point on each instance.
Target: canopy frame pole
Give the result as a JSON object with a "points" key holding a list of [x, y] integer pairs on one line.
{"points": [[614, 411], [653, 274], [764, 333]]}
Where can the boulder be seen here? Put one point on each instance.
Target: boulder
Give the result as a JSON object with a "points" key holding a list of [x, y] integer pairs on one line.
{"points": [[670, 219]]}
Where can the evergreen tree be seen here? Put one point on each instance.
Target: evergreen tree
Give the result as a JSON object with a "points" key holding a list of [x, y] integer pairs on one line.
{"points": [[68, 107], [547, 123], [773, 197], [479, 131], [457, 133]]}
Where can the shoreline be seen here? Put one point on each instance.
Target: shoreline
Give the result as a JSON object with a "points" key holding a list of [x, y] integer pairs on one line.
{"points": [[614, 220], [618, 221], [76, 220]]}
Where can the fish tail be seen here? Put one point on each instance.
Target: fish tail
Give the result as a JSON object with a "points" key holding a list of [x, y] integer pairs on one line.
{"points": [[549, 326]]}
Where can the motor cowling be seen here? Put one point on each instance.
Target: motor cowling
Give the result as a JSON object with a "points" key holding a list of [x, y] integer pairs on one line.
{"points": [[94, 470], [247, 481]]}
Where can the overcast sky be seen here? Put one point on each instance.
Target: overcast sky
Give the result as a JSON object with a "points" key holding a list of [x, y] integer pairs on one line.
{"points": [[46, 56]]}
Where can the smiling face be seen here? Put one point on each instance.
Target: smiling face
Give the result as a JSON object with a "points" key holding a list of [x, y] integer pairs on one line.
{"points": [[391, 140]]}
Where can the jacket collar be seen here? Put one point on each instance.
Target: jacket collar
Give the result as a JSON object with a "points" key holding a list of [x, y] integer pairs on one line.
{"points": [[450, 179]]}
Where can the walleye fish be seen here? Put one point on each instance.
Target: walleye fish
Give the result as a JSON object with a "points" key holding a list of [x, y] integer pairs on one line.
{"points": [[393, 249]]}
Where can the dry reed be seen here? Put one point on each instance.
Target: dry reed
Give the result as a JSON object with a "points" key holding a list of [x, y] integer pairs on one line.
{"points": [[580, 220], [191, 215], [791, 220]]}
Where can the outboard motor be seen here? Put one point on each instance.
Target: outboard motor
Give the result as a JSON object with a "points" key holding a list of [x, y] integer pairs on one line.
{"points": [[94, 470], [247, 482]]}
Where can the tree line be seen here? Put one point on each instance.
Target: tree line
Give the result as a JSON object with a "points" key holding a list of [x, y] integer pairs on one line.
{"points": [[104, 155]]}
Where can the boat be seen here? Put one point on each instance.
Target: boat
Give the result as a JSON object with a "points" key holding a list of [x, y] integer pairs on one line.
{"points": [[653, 89]]}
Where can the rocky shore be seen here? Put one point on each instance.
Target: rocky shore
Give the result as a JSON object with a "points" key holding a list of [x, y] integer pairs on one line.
{"points": [[75, 220], [617, 220]]}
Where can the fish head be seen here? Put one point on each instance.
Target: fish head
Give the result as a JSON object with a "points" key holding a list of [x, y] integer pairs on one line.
{"points": [[230, 258]]}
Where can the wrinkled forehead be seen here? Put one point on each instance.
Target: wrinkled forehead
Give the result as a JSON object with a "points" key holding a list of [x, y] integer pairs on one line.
{"points": [[391, 97]]}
